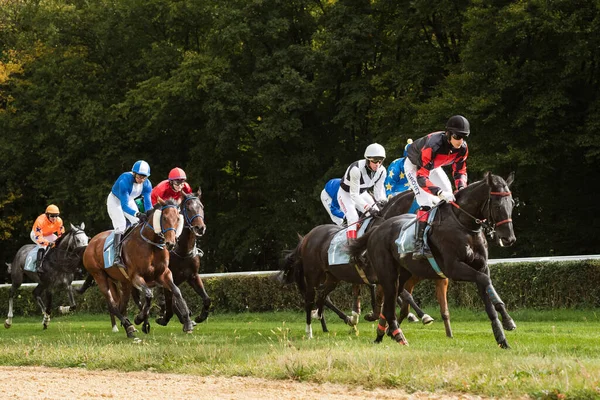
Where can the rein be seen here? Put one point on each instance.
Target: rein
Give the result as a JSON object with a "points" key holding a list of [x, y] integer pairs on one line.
{"points": [[490, 229], [161, 235], [187, 219]]}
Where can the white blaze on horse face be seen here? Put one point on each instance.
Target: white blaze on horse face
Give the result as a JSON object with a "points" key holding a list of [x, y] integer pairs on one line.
{"points": [[156, 221], [179, 226]]}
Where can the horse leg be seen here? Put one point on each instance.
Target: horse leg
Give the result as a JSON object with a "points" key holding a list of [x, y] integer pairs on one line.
{"points": [[72, 305], [356, 298], [309, 301], [323, 299], [9, 317], [441, 292], [488, 295], [114, 308], [89, 281], [48, 308], [198, 286], [142, 317], [180, 306], [37, 295], [166, 308], [376, 303]]}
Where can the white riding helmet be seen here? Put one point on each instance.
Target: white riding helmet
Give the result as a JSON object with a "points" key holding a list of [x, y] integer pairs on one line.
{"points": [[375, 150]]}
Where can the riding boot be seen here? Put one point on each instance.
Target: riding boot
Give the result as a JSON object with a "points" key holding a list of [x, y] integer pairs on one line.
{"points": [[117, 248], [419, 252], [39, 260]]}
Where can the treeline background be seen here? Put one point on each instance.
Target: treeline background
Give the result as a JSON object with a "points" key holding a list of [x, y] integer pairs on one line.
{"points": [[261, 102]]}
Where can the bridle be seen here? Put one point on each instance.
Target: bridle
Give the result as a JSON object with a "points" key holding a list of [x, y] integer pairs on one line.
{"points": [[161, 234], [189, 220], [489, 227]]}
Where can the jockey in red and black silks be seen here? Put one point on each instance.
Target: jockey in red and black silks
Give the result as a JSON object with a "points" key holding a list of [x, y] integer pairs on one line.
{"points": [[427, 179]]}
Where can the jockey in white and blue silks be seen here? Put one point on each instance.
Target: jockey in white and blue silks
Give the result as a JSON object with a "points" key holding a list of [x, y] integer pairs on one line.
{"points": [[396, 180], [330, 202], [121, 202]]}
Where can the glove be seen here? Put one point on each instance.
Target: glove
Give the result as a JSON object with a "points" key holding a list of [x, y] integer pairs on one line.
{"points": [[142, 216], [446, 196], [373, 211]]}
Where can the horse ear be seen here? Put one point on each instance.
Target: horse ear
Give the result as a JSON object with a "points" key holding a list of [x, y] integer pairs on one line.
{"points": [[199, 191], [488, 177], [72, 227], [510, 179], [82, 226]]}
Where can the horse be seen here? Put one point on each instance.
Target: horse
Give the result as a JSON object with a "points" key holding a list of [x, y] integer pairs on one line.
{"points": [[308, 266], [184, 260], [458, 245], [146, 256], [60, 265]]}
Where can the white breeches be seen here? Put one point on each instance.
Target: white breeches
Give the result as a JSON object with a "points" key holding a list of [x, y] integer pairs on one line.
{"points": [[326, 200], [117, 215], [437, 176], [349, 208], [50, 238]]}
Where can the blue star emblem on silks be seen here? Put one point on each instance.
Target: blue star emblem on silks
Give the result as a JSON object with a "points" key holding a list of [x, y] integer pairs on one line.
{"points": [[38, 229]]}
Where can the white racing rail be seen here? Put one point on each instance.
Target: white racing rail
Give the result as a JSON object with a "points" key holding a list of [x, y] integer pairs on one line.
{"points": [[261, 273]]}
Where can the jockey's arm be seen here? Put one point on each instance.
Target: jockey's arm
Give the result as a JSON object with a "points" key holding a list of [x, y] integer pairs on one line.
{"points": [[355, 190]]}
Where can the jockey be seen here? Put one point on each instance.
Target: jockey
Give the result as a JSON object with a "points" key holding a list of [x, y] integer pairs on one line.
{"points": [[121, 202], [423, 167], [173, 188], [361, 177], [47, 228], [396, 181], [330, 202]]}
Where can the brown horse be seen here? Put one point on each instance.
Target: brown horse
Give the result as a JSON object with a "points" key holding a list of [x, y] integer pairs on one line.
{"points": [[146, 257], [458, 245], [184, 261]]}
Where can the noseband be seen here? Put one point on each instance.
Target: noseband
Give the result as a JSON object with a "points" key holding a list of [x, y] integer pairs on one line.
{"points": [[490, 228], [187, 219], [161, 235]]}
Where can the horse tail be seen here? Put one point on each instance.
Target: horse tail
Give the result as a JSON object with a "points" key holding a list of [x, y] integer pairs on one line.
{"points": [[358, 246], [291, 267], [8, 268]]}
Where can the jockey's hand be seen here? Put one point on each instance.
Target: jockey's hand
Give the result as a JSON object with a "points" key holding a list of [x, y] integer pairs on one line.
{"points": [[142, 216], [373, 211], [446, 196]]}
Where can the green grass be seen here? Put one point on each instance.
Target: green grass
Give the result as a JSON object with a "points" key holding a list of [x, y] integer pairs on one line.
{"points": [[554, 353]]}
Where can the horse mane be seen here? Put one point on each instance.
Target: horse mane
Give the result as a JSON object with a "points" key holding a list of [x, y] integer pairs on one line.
{"points": [[169, 202]]}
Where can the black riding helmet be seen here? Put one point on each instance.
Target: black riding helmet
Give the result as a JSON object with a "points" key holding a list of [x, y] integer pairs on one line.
{"points": [[458, 125]]}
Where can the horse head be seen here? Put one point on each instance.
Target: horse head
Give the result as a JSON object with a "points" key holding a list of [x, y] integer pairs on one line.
{"points": [[167, 222], [500, 206], [80, 238], [192, 210]]}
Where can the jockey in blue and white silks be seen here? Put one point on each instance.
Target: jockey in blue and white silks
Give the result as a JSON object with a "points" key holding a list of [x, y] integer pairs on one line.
{"points": [[121, 201], [330, 202], [396, 181]]}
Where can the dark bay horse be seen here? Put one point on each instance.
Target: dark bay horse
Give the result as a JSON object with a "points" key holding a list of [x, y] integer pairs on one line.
{"points": [[60, 264], [309, 267], [184, 261], [458, 245], [146, 257]]}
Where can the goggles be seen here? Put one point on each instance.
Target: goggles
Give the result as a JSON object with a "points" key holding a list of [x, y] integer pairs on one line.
{"points": [[375, 160], [178, 182], [142, 177], [457, 136], [53, 215]]}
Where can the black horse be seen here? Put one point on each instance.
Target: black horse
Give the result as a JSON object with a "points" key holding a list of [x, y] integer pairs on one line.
{"points": [[308, 266], [184, 262], [458, 245], [59, 267]]}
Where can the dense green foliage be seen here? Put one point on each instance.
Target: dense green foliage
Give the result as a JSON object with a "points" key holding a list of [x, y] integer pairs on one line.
{"points": [[262, 102], [530, 285], [554, 353]]}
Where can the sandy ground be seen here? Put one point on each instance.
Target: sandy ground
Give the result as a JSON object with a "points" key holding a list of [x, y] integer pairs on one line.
{"points": [[50, 383]]}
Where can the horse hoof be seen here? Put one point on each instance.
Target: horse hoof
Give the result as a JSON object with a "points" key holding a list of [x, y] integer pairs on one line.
{"points": [[426, 319], [161, 321], [7, 325], [64, 309], [115, 329], [378, 339], [138, 320], [315, 314], [188, 328], [45, 326], [412, 318], [504, 345], [146, 327], [509, 325], [371, 317]]}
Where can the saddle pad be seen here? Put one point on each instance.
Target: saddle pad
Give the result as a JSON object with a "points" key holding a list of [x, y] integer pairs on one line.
{"points": [[413, 207], [406, 238], [109, 251], [338, 251], [30, 260]]}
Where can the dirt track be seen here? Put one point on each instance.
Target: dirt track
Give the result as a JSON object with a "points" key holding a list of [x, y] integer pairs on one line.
{"points": [[49, 383]]}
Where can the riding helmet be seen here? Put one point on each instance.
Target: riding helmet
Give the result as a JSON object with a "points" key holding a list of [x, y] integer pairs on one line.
{"points": [[458, 125], [375, 150], [141, 167], [177, 174], [52, 209]]}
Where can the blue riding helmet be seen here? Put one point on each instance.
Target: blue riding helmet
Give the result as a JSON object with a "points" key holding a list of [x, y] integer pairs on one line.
{"points": [[141, 167]]}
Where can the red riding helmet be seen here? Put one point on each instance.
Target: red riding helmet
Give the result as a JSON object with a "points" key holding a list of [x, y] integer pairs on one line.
{"points": [[177, 174]]}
